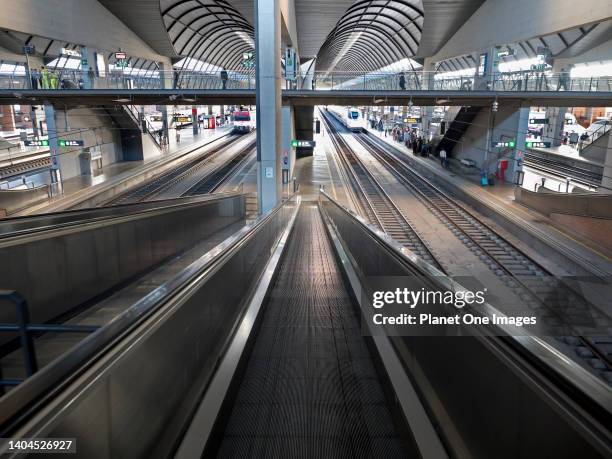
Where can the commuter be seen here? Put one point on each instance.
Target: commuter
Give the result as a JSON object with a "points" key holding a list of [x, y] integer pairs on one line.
{"points": [[419, 145], [563, 80], [565, 138], [583, 138], [224, 78], [44, 78], [314, 82], [573, 139], [443, 158], [35, 79], [178, 135], [402, 81], [53, 80]]}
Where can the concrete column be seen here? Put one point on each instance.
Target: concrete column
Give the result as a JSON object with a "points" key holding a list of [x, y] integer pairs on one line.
{"points": [[428, 84], [268, 77], [288, 134], [87, 62], [7, 118], [166, 83], [518, 160], [56, 174], [210, 109], [606, 182], [553, 131], [194, 120]]}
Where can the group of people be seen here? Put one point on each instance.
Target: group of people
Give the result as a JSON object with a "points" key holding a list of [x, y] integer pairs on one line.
{"points": [[573, 139], [44, 79]]}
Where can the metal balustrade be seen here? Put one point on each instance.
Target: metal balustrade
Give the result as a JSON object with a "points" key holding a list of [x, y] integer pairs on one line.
{"points": [[528, 80]]}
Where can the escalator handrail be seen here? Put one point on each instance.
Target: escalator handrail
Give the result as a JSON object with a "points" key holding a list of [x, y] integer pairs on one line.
{"points": [[548, 360], [24, 399], [71, 218]]}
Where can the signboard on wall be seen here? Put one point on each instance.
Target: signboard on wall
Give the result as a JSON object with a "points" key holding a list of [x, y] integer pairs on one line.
{"points": [[290, 64]]}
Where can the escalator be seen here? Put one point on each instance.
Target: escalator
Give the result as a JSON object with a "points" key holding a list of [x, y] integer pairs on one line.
{"points": [[310, 388], [260, 349], [458, 128]]}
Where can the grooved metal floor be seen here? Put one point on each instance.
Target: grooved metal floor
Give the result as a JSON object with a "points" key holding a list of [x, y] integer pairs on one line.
{"points": [[310, 388]]}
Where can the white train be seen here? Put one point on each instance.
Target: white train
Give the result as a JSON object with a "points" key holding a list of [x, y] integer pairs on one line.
{"points": [[348, 116]]}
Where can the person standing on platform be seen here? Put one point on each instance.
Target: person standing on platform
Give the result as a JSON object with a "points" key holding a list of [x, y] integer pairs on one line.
{"points": [[402, 81], [53, 79], [443, 160], [224, 78], [44, 77], [35, 79], [583, 138], [419, 145]]}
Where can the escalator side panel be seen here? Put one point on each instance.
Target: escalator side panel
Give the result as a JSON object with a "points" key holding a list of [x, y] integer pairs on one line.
{"points": [[310, 388]]}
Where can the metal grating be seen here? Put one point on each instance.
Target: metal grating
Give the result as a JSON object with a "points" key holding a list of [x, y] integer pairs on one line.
{"points": [[310, 388]]}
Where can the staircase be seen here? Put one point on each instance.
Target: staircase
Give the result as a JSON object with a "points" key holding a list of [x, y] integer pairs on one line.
{"points": [[457, 128], [131, 128]]}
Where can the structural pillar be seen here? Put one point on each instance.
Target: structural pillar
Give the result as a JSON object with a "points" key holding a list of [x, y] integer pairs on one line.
{"points": [[194, 120], [553, 131], [268, 77], [56, 175], [166, 82], [516, 164], [428, 84]]}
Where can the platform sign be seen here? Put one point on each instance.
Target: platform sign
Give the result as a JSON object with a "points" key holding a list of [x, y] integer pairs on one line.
{"points": [[36, 143], [507, 144], [303, 143], [412, 120], [29, 49], [70, 52], [120, 56], [290, 64], [538, 120], [70, 143], [537, 144], [248, 60]]}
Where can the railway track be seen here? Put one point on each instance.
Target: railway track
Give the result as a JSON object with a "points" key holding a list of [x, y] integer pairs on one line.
{"points": [[376, 204], [212, 182], [25, 166], [170, 178], [563, 171], [541, 291]]}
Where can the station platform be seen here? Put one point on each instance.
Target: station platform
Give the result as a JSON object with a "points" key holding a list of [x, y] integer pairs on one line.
{"points": [[74, 188], [567, 152], [498, 204]]}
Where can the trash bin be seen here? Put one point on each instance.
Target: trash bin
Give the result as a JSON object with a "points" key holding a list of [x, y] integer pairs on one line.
{"points": [[501, 169]]}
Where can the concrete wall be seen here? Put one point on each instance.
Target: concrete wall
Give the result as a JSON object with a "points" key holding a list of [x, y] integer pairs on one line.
{"points": [[474, 142], [288, 134], [83, 22], [94, 127], [586, 215]]}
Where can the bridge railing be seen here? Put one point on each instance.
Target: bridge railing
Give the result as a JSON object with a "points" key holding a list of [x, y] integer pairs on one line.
{"points": [[343, 81]]}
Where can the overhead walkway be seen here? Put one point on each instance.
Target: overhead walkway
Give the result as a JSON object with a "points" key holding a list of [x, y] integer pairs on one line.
{"points": [[264, 347], [329, 88]]}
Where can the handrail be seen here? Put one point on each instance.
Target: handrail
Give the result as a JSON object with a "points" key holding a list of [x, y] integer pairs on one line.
{"points": [[516, 81], [580, 379], [73, 218], [55, 376]]}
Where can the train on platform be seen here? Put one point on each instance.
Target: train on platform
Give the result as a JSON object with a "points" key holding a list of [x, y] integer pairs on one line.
{"points": [[244, 122], [350, 117]]}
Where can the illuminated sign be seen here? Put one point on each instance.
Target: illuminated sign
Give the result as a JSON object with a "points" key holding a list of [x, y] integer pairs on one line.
{"points": [[412, 120], [36, 143], [120, 56], [70, 52], [538, 120], [70, 143], [537, 144], [303, 143], [507, 144]]}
